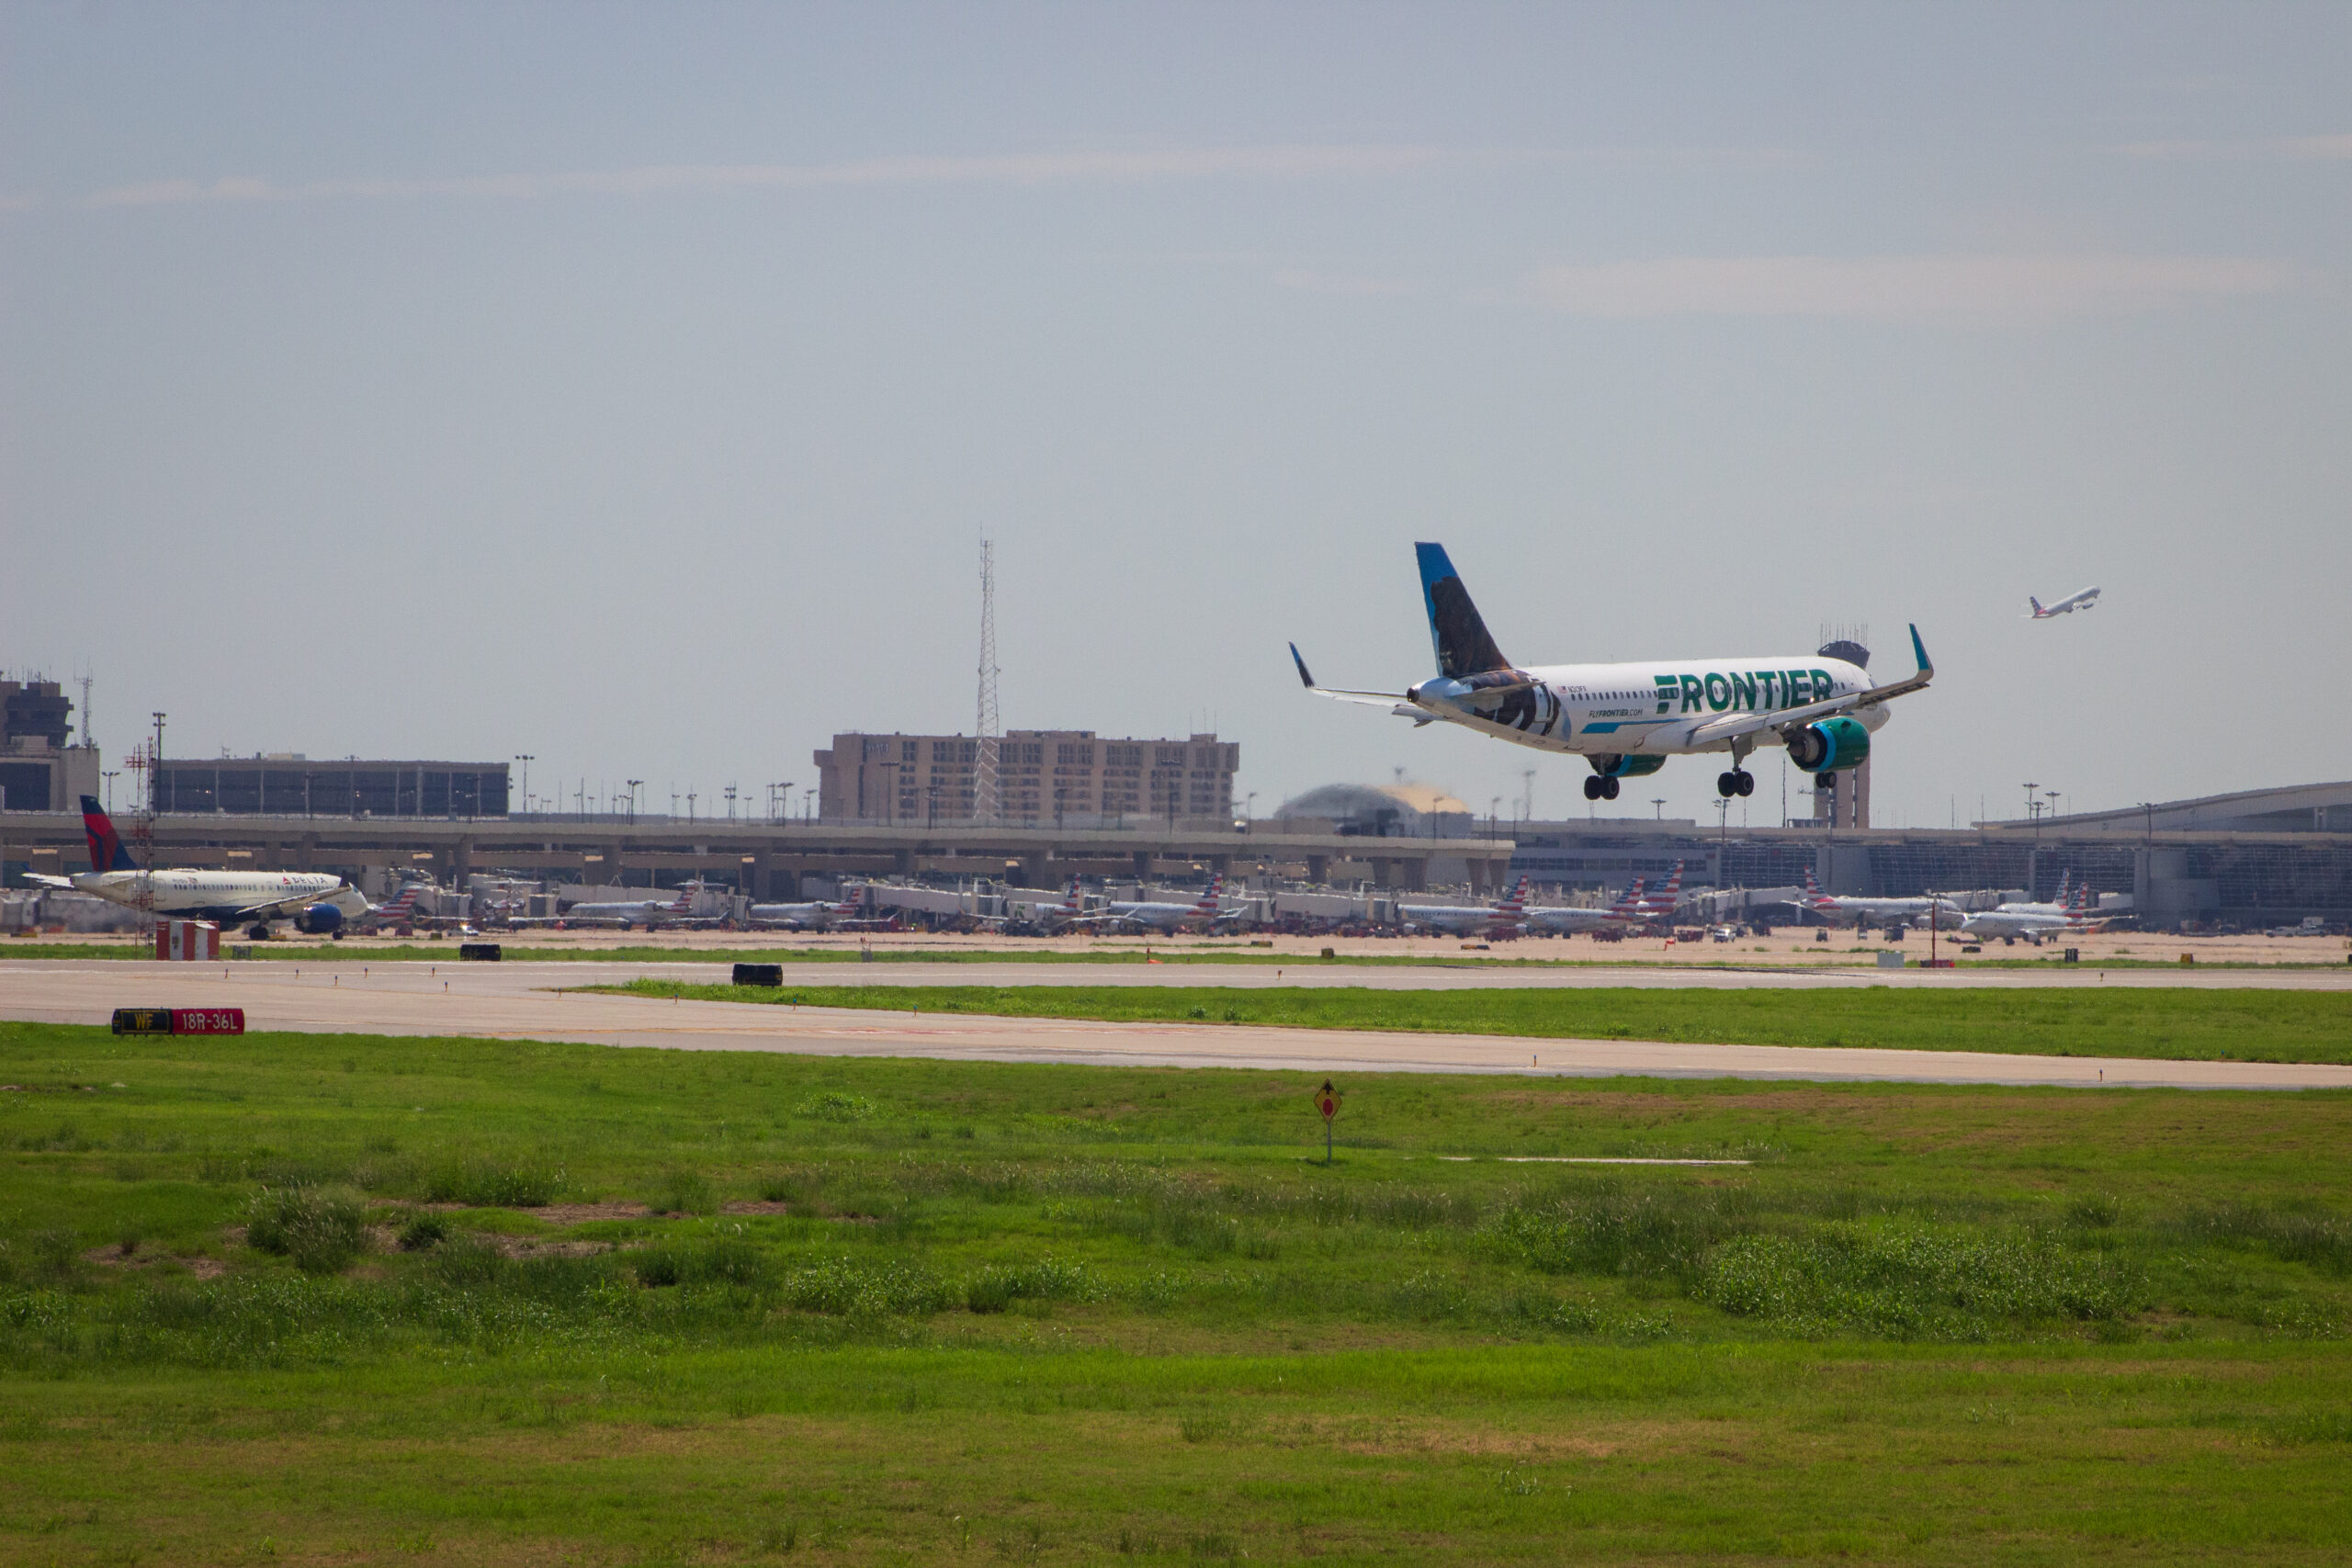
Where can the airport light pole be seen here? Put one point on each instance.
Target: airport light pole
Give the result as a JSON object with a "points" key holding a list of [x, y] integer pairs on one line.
{"points": [[633, 784], [730, 803], [1659, 800], [108, 775], [155, 782], [525, 759]]}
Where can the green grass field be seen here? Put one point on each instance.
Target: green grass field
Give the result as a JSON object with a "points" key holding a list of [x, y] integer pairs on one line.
{"points": [[350, 1299], [2175, 1025]]}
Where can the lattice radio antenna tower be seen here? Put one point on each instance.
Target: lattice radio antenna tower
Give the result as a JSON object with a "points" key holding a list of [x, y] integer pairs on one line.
{"points": [[985, 796]]}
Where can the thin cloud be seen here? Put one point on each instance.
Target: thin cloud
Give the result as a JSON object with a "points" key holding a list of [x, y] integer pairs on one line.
{"points": [[1898, 287], [2299, 148], [1350, 285], [1278, 162]]}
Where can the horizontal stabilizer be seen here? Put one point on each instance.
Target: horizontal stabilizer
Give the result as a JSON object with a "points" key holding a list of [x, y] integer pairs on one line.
{"points": [[1308, 681]]}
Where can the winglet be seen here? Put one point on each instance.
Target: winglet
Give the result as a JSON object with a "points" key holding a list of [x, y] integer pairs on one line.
{"points": [[1919, 651], [1303, 678]]}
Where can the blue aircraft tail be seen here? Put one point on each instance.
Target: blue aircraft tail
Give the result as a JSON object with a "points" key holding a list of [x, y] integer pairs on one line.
{"points": [[1464, 646]]}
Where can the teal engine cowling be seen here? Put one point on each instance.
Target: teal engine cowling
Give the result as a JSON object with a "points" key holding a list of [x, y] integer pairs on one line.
{"points": [[1829, 744], [1625, 764]]}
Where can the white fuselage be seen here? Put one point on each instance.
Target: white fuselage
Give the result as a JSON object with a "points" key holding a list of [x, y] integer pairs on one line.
{"points": [[815, 914], [1457, 918], [1875, 910], [1163, 917], [220, 894], [2010, 921], [1646, 708], [644, 912], [2085, 600]]}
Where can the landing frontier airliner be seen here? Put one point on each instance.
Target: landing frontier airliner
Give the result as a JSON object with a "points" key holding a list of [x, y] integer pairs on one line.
{"points": [[1626, 719]]}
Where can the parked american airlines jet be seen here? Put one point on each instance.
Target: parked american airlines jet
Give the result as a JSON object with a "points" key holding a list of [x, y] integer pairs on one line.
{"points": [[627, 912], [1464, 919], [1563, 920], [316, 902], [1626, 719], [2085, 600], [1168, 918]]}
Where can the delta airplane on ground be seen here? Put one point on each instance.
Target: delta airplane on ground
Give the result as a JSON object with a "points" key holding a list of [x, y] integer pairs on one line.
{"points": [[1466, 920], [1626, 719], [2087, 599], [1879, 911], [316, 903]]}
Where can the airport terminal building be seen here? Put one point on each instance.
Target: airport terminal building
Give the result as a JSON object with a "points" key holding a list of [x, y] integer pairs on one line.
{"points": [[2249, 859], [286, 783]]}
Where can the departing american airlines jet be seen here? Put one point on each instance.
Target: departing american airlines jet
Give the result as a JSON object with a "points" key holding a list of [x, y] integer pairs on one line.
{"points": [[1626, 719], [2086, 599]]}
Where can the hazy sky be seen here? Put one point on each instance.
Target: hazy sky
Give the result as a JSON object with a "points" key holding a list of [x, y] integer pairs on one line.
{"points": [[630, 386]]}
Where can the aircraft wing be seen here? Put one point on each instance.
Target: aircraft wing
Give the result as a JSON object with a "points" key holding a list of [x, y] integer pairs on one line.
{"points": [[256, 911], [1379, 699], [1732, 725]]}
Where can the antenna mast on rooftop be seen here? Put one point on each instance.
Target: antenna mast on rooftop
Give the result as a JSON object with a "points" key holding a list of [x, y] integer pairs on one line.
{"points": [[984, 780]]}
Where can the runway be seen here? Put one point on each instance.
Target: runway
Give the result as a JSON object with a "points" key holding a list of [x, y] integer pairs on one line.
{"points": [[516, 1001]]}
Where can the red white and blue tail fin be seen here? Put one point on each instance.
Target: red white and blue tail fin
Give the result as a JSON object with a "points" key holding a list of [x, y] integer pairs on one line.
{"points": [[1208, 904], [1515, 901], [401, 908], [106, 852]]}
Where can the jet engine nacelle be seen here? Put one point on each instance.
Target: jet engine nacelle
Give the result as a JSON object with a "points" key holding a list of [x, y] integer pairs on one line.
{"points": [[319, 919], [1626, 764], [1829, 744]]}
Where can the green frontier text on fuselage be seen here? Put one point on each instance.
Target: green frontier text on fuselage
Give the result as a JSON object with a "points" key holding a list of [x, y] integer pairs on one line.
{"points": [[1750, 692]]}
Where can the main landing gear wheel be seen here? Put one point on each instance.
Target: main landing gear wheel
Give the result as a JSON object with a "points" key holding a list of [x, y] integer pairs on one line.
{"points": [[1609, 789], [1592, 786], [1739, 781]]}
